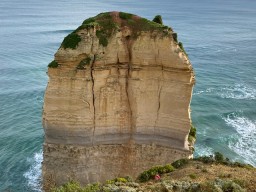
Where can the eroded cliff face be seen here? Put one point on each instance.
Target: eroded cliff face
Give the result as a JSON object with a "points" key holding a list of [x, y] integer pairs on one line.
{"points": [[116, 107]]}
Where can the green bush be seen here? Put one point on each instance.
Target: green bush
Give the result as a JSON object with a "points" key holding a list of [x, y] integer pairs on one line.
{"points": [[107, 26], [84, 62], [230, 186], [242, 183], [128, 178], [120, 180], [89, 20], [182, 48], [205, 159], [73, 186], [149, 174], [158, 19], [175, 37], [53, 64], [192, 176], [218, 157], [192, 131], [125, 16], [243, 165], [102, 38], [180, 163], [71, 41], [192, 134], [209, 187]]}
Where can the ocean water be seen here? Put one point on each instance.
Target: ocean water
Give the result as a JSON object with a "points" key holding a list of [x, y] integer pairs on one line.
{"points": [[219, 37]]}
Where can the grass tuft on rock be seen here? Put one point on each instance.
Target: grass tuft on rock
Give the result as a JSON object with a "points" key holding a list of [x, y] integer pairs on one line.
{"points": [[125, 16], [105, 25], [192, 134], [182, 48], [84, 62], [53, 64], [71, 41], [149, 174], [74, 186], [180, 163], [175, 37]]}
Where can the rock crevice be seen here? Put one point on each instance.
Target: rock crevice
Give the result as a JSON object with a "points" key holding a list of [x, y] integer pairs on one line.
{"points": [[93, 97]]}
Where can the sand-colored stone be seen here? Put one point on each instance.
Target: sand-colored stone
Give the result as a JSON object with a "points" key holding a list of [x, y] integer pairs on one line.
{"points": [[126, 111]]}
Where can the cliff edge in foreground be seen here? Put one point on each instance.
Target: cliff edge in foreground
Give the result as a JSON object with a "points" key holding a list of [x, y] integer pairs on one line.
{"points": [[117, 100]]}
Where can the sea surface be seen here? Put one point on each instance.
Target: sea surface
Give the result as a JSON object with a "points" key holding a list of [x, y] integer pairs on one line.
{"points": [[219, 37]]}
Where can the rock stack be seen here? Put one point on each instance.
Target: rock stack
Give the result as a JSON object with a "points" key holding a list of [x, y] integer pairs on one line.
{"points": [[117, 101]]}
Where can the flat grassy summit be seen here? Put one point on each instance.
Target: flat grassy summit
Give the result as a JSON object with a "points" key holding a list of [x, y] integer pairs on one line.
{"points": [[108, 23]]}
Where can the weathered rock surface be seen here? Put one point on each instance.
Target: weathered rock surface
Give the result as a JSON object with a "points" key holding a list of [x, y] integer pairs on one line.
{"points": [[117, 103]]}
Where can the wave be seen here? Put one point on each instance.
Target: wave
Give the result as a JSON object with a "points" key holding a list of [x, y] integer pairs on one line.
{"points": [[33, 175], [203, 150], [244, 143], [208, 90], [237, 91]]}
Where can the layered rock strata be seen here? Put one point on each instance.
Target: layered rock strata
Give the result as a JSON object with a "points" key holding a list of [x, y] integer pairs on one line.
{"points": [[117, 100]]}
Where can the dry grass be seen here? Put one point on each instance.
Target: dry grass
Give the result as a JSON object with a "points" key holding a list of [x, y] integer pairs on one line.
{"points": [[209, 172]]}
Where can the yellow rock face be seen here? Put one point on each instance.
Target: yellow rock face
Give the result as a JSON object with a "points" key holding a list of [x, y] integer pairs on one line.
{"points": [[125, 110]]}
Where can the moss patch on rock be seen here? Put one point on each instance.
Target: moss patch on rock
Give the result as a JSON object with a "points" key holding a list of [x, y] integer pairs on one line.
{"points": [[53, 64], [71, 41], [106, 23], [182, 48], [125, 16], [192, 134], [84, 62]]}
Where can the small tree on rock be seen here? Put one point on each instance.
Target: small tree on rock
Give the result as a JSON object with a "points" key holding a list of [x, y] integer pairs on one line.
{"points": [[158, 19]]}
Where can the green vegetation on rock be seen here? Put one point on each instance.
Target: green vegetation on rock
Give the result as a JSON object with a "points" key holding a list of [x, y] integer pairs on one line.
{"points": [[175, 37], [73, 186], [192, 134], [71, 41], [120, 180], [180, 163], [149, 174], [53, 64], [84, 62], [89, 20], [125, 16], [218, 158], [105, 25], [182, 48], [158, 19], [189, 176]]}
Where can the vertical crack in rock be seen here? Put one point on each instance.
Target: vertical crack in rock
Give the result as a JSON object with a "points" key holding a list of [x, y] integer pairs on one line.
{"points": [[93, 97], [128, 44], [159, 105]]}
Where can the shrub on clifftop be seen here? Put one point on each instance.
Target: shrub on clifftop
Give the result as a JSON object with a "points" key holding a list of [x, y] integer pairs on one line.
{"points": [[149, 174], [158, 19], [53, 64], [71, 41]]}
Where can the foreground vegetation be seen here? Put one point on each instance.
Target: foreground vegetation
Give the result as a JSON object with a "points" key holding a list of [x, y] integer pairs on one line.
{"points": [[213, 173]]}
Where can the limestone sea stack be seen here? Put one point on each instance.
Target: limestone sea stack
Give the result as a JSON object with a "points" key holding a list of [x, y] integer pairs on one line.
{"points": [[117, 101]]}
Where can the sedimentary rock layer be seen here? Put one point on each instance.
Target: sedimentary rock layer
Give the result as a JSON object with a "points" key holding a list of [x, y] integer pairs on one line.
{"points": [[116, 108]]}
